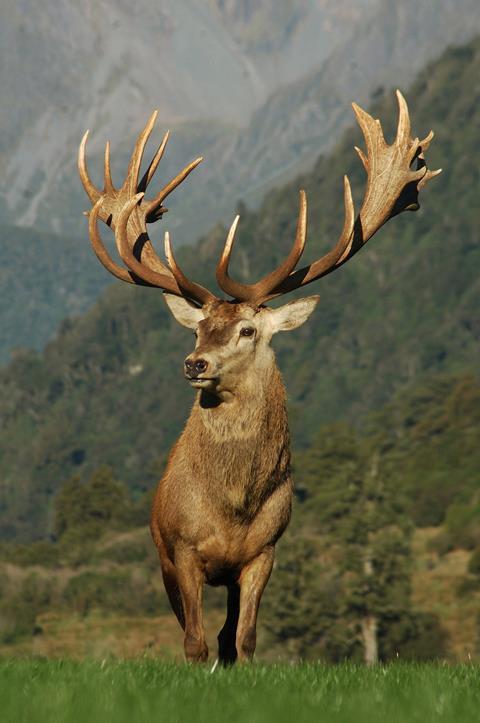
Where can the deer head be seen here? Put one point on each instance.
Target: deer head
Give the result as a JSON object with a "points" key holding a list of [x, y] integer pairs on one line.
{"points": [[233, 340], [234, 334]]}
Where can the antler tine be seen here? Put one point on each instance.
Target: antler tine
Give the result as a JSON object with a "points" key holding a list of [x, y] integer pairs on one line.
{"points": [[137, 155], [341, 248], [190, 289], [92, 191], [149, 173], [99, 247], [423, 146], [261, 289], [404, 126], [228, 285], [321, 266], [144, 272], [152, 206], [107, 172]]}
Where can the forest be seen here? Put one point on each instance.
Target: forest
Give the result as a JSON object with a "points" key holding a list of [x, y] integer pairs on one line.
{"points": [[384, 405]]}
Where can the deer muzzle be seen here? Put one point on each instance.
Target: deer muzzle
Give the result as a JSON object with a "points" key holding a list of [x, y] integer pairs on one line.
{"points": [[196, 372]]}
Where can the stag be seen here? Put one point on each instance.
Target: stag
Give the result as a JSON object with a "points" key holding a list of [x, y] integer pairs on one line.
{"points": [[225, 498]]}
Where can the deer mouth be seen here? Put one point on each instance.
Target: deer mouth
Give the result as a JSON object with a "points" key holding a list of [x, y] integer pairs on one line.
{"points": [[201, 382]]}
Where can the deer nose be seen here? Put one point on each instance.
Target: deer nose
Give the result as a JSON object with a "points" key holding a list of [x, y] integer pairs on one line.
{"points": [[195, 366]]}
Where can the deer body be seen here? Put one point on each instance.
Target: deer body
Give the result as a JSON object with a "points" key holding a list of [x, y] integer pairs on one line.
{"points": [[227, 464], [225, 497], [230, 457]]}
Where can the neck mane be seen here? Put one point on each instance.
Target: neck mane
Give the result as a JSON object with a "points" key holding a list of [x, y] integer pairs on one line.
{"points": [[239, 449], [253, 404]]}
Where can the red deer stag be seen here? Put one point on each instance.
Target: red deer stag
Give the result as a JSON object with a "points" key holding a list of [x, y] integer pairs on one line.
{"points": [[225, 497]]}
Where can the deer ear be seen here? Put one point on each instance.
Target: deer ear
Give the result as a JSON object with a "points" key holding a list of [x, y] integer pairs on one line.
{"points": [[184, 312], [293, 314]]}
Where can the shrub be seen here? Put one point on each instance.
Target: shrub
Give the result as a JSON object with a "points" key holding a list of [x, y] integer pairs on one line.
{"points": [[441, 544], [124, 552], [417, 636], [113, 591], [90, 509], [45, 554], [463, 525], [17, 619], [474, 562], [18, 613], [467, 586]]}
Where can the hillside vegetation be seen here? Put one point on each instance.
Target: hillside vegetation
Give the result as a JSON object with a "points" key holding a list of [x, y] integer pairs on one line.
{"points": [[402, 495], [108, 389], [41, 286]]}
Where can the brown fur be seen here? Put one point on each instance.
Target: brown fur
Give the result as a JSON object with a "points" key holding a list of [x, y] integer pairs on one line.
{"points": [[225, 497]]}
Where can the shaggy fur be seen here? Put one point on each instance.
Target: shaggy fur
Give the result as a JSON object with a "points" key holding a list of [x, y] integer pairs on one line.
{"points": [[225, 498]]}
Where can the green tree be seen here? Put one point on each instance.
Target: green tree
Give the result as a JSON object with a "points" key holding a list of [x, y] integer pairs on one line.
{"points": [[363, 514], [302, 607], [84, 511], [376, 540], [68, 506]]}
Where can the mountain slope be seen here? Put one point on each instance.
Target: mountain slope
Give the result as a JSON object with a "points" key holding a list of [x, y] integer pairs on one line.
{"points": [[294, 65], [109, 388], [66, 67], [388, 47], [45, 279]]}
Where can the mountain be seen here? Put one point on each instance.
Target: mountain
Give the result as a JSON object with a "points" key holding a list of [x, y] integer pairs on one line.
{"points": [[387, 48], [259, 89], [293, 65], [66, 67], [108, 389]]}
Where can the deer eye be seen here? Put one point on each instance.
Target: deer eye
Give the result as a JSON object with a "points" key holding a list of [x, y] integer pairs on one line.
{"points": [[247, 331]]}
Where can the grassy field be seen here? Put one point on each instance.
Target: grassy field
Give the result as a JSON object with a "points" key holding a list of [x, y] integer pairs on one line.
{"points": [[143, 690]]}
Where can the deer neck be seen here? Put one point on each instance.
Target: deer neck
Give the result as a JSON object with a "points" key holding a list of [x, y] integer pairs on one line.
{"points": [[247, 411], [238, 450]]}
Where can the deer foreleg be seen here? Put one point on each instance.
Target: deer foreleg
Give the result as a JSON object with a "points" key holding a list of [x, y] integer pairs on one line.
{"points": [[253, 580], [190, 581], [173, 591], [169, 575], [227, 651]]}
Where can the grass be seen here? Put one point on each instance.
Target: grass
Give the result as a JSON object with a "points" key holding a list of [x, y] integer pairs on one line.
{"points": [[42, 691]]}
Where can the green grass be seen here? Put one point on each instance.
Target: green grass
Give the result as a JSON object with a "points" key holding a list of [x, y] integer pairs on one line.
{"points": [[143, 690]]}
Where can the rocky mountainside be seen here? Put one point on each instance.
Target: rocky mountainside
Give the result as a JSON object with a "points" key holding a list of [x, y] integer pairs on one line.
{"points": [[99, 64], [259, 89], [66, 67], [108, 389], [387, 49]]}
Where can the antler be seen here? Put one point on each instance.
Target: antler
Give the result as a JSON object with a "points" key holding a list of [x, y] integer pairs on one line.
{"points": [[392, 187], [127, 212], [247, 292]]}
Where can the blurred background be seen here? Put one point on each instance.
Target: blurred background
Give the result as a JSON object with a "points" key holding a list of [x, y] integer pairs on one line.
{"points": [[383, 381]]}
